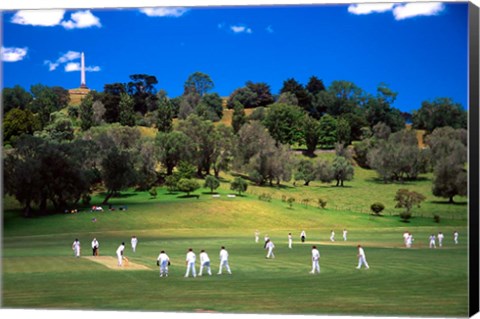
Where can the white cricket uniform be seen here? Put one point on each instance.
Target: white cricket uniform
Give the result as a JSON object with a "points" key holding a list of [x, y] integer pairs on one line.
{"points": [[440, 239], [432, 242], [204, 262], [120, 250], [224, 261], [190, 259], [270, 247], [163, 260], [315, 261], [257, 236], [409, 241], [76, 248], [290, 241], [405, 238], [134, 242], [332, 236], [95, 246], [362, 260], [345, 235], [303, 236], [455, 237]]}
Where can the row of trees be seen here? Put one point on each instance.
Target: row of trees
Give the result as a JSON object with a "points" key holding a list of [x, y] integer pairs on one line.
{"points": [[296, 108]]}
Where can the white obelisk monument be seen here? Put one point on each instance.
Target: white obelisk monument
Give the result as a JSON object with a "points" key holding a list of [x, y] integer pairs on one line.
{"points": [[83, 83]]}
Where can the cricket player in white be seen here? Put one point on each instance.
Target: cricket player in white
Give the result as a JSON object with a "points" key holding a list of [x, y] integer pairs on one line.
{"points": [[95, 246], [290, 241], [163, 261], [270, 247], [432, 241], [303, 236], [440, 237], [409, 240], [361, 258], [120, 250], [76, 247], [190, 261], [224, 261], [332, 235], [134, 243], [315, 260], [204, 262], [257, 236], [455, 237], [405, 238], [344, 235]]}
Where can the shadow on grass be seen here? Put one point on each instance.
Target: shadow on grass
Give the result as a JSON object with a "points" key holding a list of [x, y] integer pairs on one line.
{"points": [[189, 196], [448, 203], [210, 193], [378, 180], [119, 195]]}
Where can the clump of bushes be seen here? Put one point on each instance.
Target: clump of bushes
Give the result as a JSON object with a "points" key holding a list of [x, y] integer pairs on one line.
{"points": [[265, 197], [322, 203], [377, 208], [436, 218], [290, 201]]}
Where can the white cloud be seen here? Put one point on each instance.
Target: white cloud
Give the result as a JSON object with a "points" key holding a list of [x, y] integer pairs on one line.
{"points": [[269, 29], [81, 20], [13, 54], [50, 18], [400, 11], [72, 66], [44, 18], [69, 56], [92, 69], [367, 8], [240, 29], [51, 65], [164, 12], [410, 10], [75, 66]]}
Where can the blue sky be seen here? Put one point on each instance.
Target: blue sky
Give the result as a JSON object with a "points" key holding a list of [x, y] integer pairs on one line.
{"points": [[419, 50]]}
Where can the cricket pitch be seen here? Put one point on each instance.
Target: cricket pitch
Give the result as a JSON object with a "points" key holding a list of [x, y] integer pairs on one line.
{"points": [[112, 263]]}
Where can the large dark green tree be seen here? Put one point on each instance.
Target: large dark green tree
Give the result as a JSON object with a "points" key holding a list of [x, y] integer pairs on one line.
{"points": [[291, 85], [448, 148], [15, 98], [118, 172], [311, 134], [17, 122], [172, 148], [199, 83], [201, 133], [142, 89], [165, 112], [327, 131], [438, 113], [284, 122], [127, 112], [111, 100]]}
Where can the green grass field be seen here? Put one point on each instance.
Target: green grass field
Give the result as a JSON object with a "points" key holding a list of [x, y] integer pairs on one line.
{"points": [[40, 271]]}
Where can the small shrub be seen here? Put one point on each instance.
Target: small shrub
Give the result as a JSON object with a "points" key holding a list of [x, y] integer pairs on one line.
{"points": [[265, 197], [290, 201], [377, 208], [153, 192], [436, 218], [322, 203], [284, 198], [305, 201]]}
